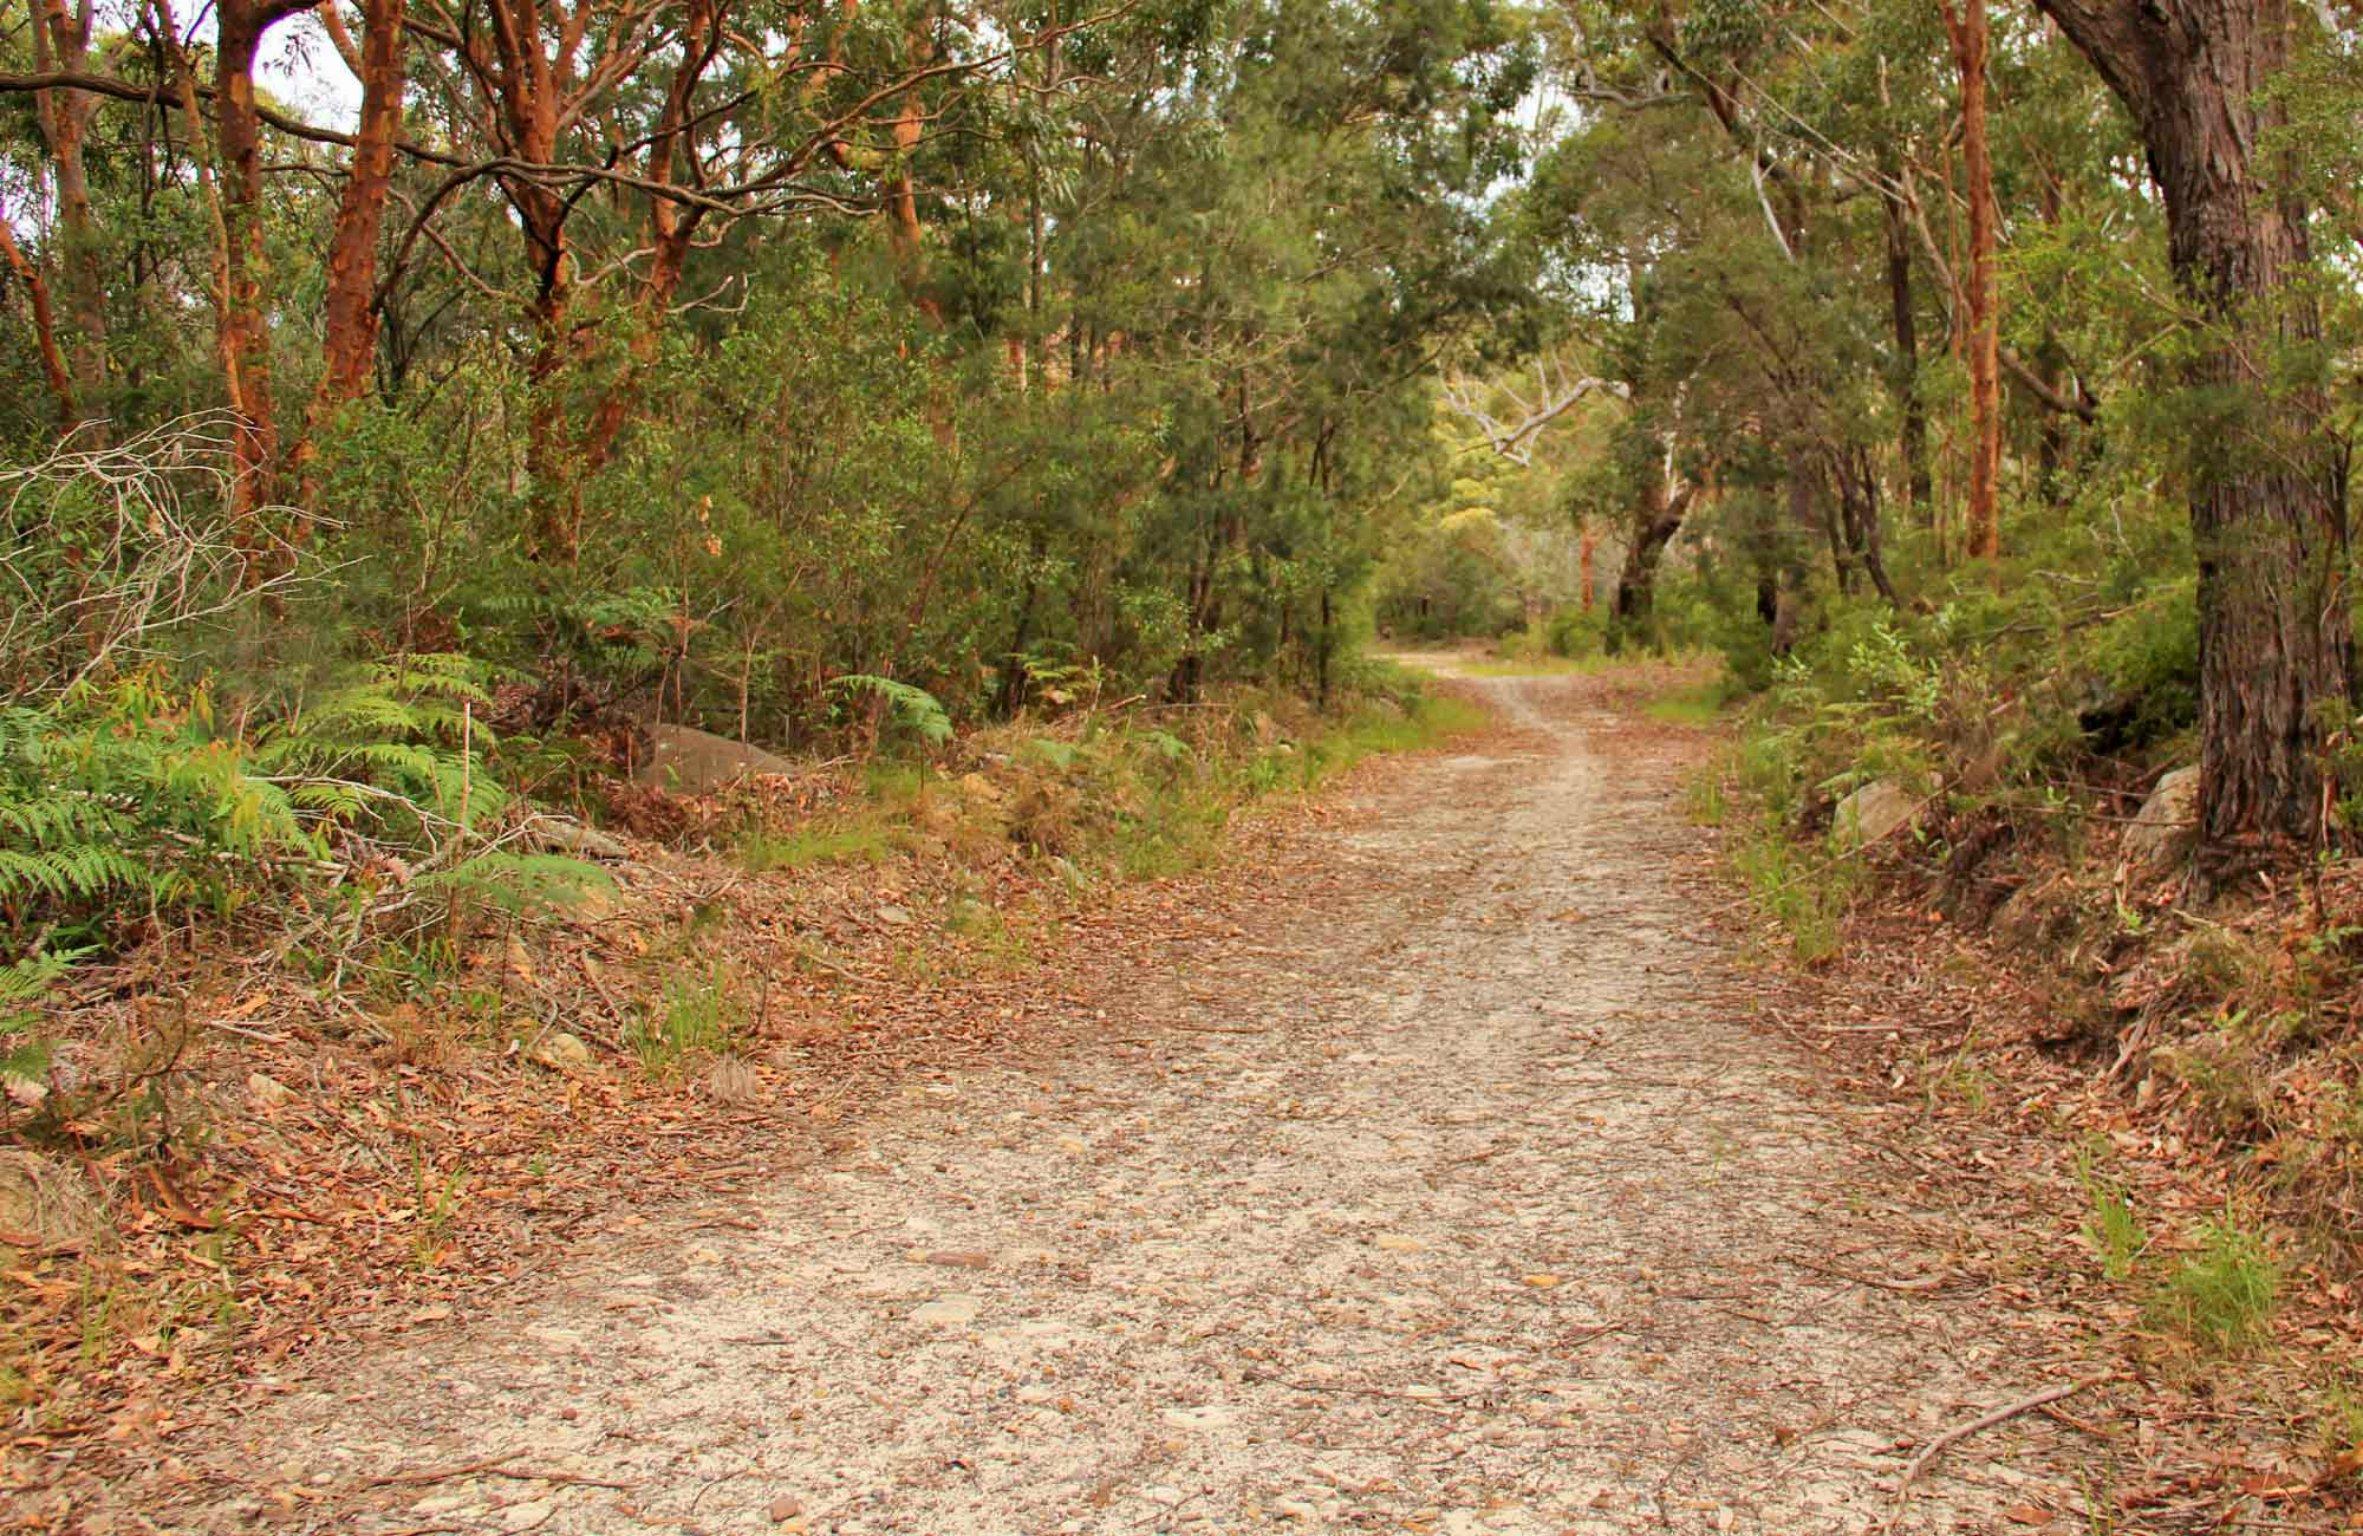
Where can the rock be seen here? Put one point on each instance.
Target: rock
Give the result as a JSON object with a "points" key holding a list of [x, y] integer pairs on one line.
{"points": [[266, 1091], [555, 834], [894, 916], [785, 1508], [731, 1081], [561, 1052], [2167, 827], [953, 1311], [527, 1516], [1873, 813], [689, 761]]}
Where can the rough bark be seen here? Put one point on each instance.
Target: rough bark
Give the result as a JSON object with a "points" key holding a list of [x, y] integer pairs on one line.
{"points": [[242, 331], [350, 343], [2267, 508], [350, 310], [1966, 24]]}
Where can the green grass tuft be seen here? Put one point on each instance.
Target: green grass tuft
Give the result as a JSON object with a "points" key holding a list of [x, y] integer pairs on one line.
{"points": [[2221, 1298]]}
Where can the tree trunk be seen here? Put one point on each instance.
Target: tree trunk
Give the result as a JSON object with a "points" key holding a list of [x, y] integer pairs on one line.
{"points": [[1858, 507], [349, 312], [2267, 508], [53, 362], [62, 37], [350, 343], [1912, 435], [242, 335], [1657, 517], [1967, 25], [672, 157]]}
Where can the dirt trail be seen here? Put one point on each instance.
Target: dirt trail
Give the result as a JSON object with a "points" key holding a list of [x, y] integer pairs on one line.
{"points": [[1461, 1197]]}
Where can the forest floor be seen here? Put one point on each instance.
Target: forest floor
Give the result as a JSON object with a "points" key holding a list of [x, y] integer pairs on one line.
{"points": [[1445, 1175]]}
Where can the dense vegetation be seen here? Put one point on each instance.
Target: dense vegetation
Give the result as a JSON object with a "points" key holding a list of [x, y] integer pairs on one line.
{"points": [[806, 373]]}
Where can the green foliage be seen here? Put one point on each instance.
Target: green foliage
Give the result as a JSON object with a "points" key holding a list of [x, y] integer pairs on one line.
{"points": [[1804, 889], [522, 885], [909, 709], [2223, 1297], [698, 1015], [860, 840], [24, 1054], [2111, 1225]]}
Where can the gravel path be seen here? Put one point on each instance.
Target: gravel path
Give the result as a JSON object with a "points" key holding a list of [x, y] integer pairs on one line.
{"points": [[1455, 1194]]}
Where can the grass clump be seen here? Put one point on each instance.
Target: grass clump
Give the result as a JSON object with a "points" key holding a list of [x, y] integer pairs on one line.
{"points": [[2223, 1297], [1804, 889], [2111, 1225], [858, 840], [698, 1015]]}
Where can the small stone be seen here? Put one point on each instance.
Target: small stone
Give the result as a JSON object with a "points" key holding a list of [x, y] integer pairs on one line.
{"points": [[1874, 812], [1542, 1282], [562, 1052], [267, 1091], [957, 1258], [2167, 827], [1398, 1242], [895, 917], [785, 1508], [527, 1516]]}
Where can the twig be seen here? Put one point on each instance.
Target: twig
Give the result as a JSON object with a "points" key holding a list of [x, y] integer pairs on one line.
{"points": [[490, 1466], [2001, 1415]]}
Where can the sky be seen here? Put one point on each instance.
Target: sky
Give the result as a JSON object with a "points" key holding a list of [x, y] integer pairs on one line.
{"points": [[302, 70]]}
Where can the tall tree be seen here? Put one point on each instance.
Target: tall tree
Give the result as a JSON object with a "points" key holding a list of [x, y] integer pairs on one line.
{"points": [[1965, 22], [61, 41], [2267, 509]]}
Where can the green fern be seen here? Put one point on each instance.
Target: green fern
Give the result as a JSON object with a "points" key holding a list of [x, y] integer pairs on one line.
{"points": [[913, 709], [524, 884], [24, 1055]]}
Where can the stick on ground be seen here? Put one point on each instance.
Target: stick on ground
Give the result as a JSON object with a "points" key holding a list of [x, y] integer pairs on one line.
{"points": [[1961, 1432]]}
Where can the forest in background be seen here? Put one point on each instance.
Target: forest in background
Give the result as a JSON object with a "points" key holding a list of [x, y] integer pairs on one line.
{"points": [[1977, 381]]}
